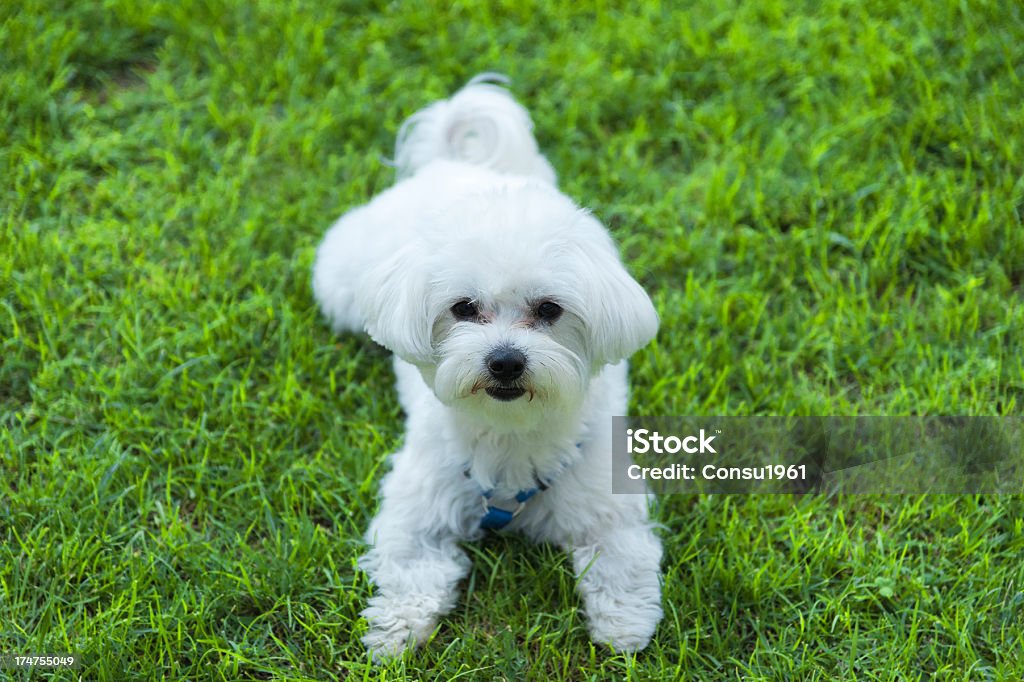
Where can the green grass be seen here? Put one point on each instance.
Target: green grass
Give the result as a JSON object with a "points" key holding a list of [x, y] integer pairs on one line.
{"points": [[824, 199]]}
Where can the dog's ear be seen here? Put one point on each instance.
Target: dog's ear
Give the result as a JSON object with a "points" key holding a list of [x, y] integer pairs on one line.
{"points": [[617, 311], [394, 301]]}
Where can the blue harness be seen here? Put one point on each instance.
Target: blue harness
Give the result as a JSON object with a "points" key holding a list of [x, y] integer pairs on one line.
{"points": [[497, 517]]}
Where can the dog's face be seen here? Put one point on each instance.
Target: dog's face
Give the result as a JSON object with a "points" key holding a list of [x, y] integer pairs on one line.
{"points": [[508, 305]]}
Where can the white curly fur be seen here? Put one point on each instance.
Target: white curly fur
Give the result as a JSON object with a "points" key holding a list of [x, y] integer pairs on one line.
{"points": [[476, 216]]}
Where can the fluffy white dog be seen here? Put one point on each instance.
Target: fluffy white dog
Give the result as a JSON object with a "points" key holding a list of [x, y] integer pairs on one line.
{"points": [[510, 316]]}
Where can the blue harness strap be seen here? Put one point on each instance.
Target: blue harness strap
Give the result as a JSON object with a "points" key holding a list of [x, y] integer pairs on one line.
{"points": [[496, 518]]}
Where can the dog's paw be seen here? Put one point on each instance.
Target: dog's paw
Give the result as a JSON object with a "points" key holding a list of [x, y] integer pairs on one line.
{"points": [[623, 625], [386, 646], [397, 625]]}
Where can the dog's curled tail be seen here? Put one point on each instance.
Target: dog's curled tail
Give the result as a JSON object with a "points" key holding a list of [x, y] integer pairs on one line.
{"points": [[480, 124]]}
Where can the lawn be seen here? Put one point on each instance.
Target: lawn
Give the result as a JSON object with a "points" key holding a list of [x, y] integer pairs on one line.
{"points": [[825, 200]]}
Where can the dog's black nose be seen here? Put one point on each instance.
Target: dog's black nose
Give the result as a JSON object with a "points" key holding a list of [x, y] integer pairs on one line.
{"points": [[506, 364]]}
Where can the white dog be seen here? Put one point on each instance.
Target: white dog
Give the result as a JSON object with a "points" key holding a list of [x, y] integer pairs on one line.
{"points": [[510, 316]]}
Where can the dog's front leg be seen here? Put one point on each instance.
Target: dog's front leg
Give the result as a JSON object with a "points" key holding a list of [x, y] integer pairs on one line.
{"points": [[416, 578], [619, 578]]}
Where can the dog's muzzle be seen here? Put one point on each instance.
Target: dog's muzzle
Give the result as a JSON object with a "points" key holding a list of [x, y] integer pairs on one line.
{"points": [[505, 365]]}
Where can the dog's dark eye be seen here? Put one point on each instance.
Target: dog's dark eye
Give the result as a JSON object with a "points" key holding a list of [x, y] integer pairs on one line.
{"points": [[549, 311], [465, 310]]}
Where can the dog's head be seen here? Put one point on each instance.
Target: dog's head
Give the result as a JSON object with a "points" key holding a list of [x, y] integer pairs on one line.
{"points": [[509, 303]]}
